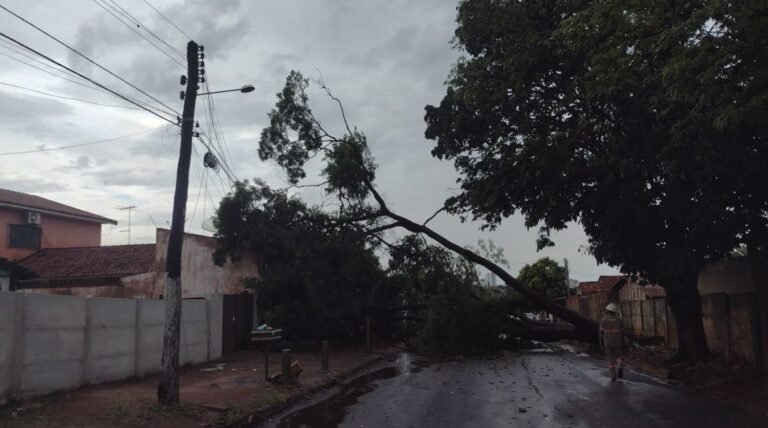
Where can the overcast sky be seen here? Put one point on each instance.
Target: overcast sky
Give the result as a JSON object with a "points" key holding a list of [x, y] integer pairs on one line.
{"points": [[385, 60]]}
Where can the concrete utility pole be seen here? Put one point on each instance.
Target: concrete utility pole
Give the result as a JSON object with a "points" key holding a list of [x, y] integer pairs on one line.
{"points": [[567, 279], [168, 386]]}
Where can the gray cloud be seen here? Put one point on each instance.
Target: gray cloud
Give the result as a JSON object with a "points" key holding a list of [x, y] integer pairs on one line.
{"points": [[385, 60]]}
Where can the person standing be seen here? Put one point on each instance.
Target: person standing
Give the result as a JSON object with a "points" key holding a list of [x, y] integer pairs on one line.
{"points": [[612, 341]]}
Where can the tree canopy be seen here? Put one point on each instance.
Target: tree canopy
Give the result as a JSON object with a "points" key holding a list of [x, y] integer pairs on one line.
{"points": [[545, 276], [295, 135], [640, 120], [318, 279]]}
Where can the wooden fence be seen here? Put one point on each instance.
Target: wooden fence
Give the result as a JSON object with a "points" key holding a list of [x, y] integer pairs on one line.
{"points": [[728, 320]]}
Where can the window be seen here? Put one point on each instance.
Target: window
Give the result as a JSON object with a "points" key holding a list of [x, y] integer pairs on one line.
{"points": [[24, 237]]}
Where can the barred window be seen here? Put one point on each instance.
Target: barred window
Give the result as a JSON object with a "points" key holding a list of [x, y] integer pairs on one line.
{"points": [[24, 237]]}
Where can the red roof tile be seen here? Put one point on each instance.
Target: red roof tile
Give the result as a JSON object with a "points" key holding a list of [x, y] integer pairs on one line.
{"points": [[32, 202], [82, 262], [604, 284]]}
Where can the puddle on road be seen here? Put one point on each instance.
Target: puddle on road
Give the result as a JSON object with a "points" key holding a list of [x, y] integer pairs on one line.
{"points": [[333, 410]]}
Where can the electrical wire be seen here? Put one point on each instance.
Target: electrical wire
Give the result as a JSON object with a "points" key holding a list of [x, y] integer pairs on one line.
{"points": [[66, 98], [16, 50], [145, 28], [169, 21], [130, 27], [81, 55], [86, 78], [47, 72], [72, 146], [84, 85]]}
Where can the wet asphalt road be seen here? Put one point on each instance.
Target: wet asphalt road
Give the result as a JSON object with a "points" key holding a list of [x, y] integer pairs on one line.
{"points": [[534, 389]]}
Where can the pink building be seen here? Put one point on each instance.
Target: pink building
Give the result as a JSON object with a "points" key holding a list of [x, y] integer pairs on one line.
{"points": [[30, 223]]}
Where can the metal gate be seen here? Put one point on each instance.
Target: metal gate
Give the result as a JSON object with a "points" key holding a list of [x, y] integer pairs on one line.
{"points": [[237, 322]]}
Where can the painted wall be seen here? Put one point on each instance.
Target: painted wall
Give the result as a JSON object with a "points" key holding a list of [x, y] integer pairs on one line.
{"points": [[133, 286], [53, 343], [199, 275], [58, 232]]}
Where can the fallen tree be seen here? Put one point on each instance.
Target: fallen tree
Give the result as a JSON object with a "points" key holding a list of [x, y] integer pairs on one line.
{"points": [[295, 135]]}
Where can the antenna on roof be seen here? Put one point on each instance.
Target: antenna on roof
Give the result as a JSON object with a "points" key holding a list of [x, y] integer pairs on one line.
{"points": [[129, 208]]}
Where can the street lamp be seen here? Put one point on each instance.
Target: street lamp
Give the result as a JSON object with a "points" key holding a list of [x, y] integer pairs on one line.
{"points": [[244, 89]]}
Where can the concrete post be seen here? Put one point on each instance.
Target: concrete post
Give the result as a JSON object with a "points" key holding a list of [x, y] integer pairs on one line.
{"points": [[324, 355], [285, 376], [368, 334]]}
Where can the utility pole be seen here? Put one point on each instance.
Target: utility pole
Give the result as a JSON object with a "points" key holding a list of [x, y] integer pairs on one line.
{"points": [[129, 208], [567, 278], [168, 386]]}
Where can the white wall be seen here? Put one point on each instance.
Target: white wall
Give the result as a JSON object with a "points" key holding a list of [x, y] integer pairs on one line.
{"points": [[52, 342]]}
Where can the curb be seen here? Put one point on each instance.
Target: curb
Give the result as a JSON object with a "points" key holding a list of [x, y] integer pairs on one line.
{"points": [[261, 416]]}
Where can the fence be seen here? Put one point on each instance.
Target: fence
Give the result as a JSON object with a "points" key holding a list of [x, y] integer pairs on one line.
{"points": [[727, 318], [52, 342]]}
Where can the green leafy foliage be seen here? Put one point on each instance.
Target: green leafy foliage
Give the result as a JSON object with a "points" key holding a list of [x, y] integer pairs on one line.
{"points": [[462, 316], [545, 276], [317, 280], [637, 119]]}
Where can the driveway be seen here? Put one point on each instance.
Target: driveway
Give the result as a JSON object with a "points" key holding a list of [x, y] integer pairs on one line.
{"points": [[536, 389]]}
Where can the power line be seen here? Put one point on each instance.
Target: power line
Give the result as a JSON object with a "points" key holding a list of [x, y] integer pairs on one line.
{"points": [[152, 33], [72, 146], [63, 74], [81, 55], [48, 72], [18, 51], [130, 27], [86, 78], [169, 21], [66, 98]]}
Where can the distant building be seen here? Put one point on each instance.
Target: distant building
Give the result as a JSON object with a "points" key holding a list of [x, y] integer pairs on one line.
{"points": [[131, 270], [29, 223]]}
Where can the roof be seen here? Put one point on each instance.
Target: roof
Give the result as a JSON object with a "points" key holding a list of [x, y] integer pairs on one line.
{"points": [[604, 284], [32, 202], [84, 262]]}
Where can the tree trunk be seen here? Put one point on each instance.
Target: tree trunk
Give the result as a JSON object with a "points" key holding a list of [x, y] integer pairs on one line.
{"points": [[585, 328], [685, 302]]}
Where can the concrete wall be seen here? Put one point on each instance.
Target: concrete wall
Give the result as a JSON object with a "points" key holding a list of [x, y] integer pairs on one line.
{"points": [[200, 276], [58, 232], [52, 343]]}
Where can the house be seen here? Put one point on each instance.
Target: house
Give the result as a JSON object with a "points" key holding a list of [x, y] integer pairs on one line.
{"points": [[132, 270], [29, 223], [605, 284], [618, 288], [631, 290], [109, 271]]}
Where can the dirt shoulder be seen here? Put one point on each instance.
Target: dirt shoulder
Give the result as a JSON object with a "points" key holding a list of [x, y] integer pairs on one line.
{"points": [[728, 382], [210, 398]]}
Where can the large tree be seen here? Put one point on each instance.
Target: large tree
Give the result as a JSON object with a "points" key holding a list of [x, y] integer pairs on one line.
{"points": [[318, 279], [545, 276], [600, 113], [294, 136]]}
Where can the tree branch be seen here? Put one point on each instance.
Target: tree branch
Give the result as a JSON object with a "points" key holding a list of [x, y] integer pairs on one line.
{"points": [[434, 215]]}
